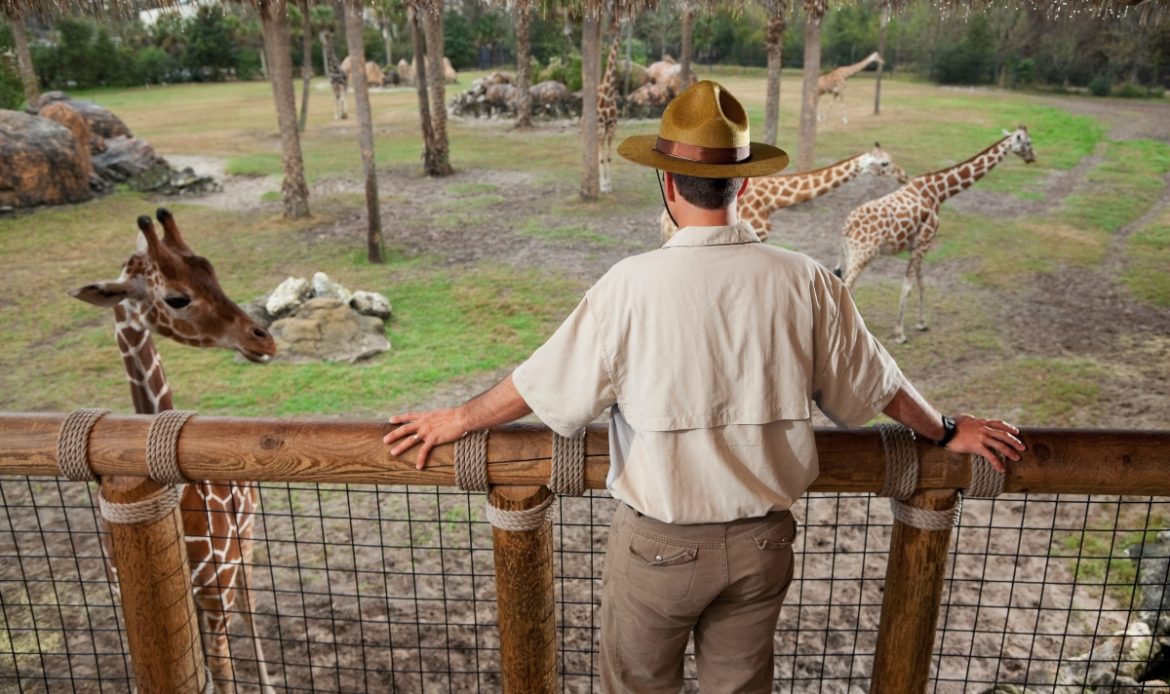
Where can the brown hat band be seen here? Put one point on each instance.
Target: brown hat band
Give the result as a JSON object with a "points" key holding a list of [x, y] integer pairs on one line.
{"points": [[699, 153]]}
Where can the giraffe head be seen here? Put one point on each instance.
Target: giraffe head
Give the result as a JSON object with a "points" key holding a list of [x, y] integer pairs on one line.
{"points": [[174, 293], [1020, 143], [878, 162]]}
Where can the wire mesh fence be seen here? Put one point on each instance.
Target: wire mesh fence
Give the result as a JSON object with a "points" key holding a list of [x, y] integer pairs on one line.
{"points": [[362, 588]]}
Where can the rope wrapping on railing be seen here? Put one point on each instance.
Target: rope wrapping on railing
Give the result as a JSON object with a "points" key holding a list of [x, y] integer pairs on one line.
{"points": [[147, 510], [528, 519], [162, 446], [927, 519], [73, 443], [901, 461], [471, 461], [567, 476], [986, 481]]}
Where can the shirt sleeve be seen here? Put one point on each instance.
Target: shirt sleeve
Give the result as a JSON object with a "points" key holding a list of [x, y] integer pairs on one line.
{"points": [[854, 376], [565, 381]]}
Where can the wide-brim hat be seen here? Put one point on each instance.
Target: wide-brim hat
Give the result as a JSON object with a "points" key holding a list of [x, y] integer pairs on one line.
{"points": [[704, 133]]}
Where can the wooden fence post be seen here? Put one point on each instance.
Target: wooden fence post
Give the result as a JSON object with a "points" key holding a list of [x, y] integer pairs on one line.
{"points": [[154, 580], [524, 596], [913, 595]]}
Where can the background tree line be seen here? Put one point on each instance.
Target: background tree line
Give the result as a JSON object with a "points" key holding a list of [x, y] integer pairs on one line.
{"points": [[1012, 48]]}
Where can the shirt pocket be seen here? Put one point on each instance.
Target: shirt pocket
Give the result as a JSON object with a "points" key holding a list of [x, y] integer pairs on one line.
{"points": [[660, 568]]}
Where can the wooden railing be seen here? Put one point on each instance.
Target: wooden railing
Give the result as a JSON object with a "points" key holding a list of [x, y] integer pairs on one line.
{"points": [[155, 587]]}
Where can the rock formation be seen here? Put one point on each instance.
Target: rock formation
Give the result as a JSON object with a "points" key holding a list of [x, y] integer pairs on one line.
{"points": [[42, 163]]}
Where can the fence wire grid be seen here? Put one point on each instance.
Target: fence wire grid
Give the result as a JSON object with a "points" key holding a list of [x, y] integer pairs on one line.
{"points": [[363, 588]]}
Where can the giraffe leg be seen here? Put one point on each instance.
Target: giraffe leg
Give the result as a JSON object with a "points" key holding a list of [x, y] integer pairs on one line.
{"points": [[917, 263], [899, 331], [856, 258], [844, 113], [605, 153], [247, 546], [218, 651]]}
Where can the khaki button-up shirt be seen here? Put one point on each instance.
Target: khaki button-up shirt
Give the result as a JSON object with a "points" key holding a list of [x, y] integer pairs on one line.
{"points": [[710, 350]]}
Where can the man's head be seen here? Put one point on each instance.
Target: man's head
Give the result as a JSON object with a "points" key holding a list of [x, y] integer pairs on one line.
{"points": [[703, 146]]}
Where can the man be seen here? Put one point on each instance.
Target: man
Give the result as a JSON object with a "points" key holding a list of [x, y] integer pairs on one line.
{"points": [[708, 352]]}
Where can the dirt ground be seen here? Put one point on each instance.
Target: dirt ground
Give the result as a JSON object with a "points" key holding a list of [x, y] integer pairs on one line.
{"points": [[364, 589]]}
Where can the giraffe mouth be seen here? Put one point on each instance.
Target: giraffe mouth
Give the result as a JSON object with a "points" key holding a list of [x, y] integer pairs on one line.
{"points": [[255, 357]]}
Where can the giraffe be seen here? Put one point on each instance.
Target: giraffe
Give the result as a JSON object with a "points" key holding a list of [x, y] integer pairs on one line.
{"points": [[338, 80], [907, 219], [767, 194], [833, 82], [607, 113], [168, 290]]}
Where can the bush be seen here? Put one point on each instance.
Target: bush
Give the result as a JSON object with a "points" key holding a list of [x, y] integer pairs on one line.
{"points": [[1101, 85], [1024, 73], [459, 41], [152, 65], [1129, 90], [568, 73], [11, 90]]}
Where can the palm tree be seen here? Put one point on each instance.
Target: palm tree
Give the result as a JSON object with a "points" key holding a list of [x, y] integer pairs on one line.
{"points": [[431, 165], [688, 30], [774, 40], [306, 60], [274, 27], [815, 14], [432, 22], [590, 67], [523, 65], [357, 54], [877, 92], [14, 11]]}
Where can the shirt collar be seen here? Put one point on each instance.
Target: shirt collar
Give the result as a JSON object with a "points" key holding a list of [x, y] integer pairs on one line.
{"points": [[731, 235]]}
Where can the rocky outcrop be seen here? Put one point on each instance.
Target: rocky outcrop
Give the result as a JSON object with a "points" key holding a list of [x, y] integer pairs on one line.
{"points": [[134, 162], [408, 75], [69, 116], [495, 96], [321, 320], [102, 122], [42, 163]]}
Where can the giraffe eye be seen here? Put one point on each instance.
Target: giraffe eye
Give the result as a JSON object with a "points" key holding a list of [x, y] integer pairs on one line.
{"points": [[177, 301]]}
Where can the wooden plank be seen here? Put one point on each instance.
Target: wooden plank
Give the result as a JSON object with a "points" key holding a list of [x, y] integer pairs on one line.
{"points": [[1067, 461]]}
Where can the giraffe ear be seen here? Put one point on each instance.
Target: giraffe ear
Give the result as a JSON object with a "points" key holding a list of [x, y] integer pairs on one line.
{"points": [[105, 294], [1006, 133]]}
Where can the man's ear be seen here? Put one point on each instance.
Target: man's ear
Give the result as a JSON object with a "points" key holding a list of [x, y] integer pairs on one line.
{"points": [[103, 294], [743, 187], [671, 191]]}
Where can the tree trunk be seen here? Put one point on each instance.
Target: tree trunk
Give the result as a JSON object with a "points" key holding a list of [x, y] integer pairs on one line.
{"points": [[306, 62], [387, 41], [805, 152], [361, 94], [432, 22], [774, 40], [688, 31], [274, 26], [590, 66], [24, 63], [523, 65], [430, 162], [877, 90]]}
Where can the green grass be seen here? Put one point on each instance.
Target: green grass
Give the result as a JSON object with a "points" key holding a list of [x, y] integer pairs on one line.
{"points": [[1147, 260], [1123, 188], [538, 228], [1048, 391], [1097, 556]]}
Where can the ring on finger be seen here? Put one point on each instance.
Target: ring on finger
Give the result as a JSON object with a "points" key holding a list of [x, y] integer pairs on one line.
{"points": [[415, 436]]}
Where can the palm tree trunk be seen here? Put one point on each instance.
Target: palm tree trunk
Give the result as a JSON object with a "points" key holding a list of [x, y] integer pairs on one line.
{"points": [[805, 152], [774, 40], [590, 66], [432, 19], [361, 92], [24, 63], [274, 28], [430, 162], [523, 65], [387, 41], [306, 62], [877, 90], [688, 30]]}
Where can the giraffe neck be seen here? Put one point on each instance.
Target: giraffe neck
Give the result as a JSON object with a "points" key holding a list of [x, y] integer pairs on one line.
{"points": [[148, 383], [851, 70], [940, 185], [607, 82], [794, 189], [334, 64]]}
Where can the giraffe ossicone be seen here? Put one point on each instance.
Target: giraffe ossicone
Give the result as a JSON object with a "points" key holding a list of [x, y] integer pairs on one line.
{"points": [[907, 219], [168, 290]]}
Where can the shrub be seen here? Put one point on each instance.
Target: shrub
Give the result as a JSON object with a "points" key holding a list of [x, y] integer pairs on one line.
{"points": [[568, 73], [1101, 85], [11, 90], [152, 65]]}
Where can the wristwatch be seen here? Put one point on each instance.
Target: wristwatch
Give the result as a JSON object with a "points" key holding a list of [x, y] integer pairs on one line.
{"points": [[949, 431]]}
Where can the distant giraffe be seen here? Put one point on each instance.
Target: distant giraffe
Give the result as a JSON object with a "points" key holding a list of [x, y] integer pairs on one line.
{"points": [[607, 113], [767, 194], [166, 289], [337, 77], [834, 82], [907, 219]]}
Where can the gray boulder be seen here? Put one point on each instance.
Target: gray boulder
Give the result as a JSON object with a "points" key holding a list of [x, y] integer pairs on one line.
{"points": [[323, 287], [42, 163], [371, 304], [288, 296], [328, 330]]}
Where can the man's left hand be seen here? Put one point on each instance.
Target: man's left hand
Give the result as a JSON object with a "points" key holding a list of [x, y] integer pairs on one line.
{"points": [[427, 428]]}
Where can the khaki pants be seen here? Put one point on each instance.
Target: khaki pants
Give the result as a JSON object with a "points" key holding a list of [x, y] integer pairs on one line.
{"points": [[724, 581]]}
